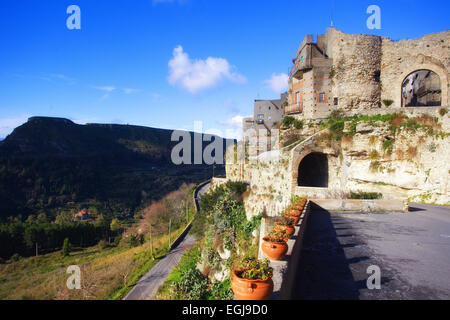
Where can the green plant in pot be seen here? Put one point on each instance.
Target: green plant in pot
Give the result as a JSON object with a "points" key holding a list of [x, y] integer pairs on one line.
{"points": [[286, 224], [252, 280], [274, 245]]}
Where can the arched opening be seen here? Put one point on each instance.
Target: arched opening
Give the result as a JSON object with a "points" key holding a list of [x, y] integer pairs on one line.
{"points": [[313, 171], [421, 88]]}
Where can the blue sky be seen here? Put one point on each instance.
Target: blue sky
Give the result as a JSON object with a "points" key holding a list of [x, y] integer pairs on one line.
{"points": [[168, 63]]}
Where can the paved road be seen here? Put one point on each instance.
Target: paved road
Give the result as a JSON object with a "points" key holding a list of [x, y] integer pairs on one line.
{"points": [[147, 287], [412, 251]]}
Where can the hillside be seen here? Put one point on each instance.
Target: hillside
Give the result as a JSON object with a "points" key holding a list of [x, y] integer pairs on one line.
{"points": [[54, 166]]}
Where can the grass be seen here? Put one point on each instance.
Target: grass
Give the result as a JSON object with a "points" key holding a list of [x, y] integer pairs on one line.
{"points": [[365, 195], [106, 273]]}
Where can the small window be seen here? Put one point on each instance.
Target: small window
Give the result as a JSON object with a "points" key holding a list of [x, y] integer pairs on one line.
{"points": [[336, 101], [298, 98], [322, 97]]}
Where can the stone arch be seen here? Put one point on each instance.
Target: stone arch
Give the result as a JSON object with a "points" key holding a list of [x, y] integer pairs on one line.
{"points": [[313, 171], [440, 71], [421, 88], [304, 154]]}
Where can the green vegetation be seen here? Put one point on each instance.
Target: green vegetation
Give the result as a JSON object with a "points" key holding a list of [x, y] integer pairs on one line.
{"points": [[220, 225], [336, 123], [388, 145], [110, 268], [253, 269], [360, 195], [289, 122], [388, 103], [66, 248], [58, 168]]}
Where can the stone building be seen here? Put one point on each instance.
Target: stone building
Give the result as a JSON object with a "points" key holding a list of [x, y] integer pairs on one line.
{"points": [[366, 73], [267, 115]]}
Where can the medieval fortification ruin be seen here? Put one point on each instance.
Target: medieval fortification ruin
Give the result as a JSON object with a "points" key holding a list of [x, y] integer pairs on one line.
{"points": [[363, 113]]}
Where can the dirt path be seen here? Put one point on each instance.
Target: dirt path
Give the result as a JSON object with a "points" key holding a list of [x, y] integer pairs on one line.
{"points": [[147, 287]]}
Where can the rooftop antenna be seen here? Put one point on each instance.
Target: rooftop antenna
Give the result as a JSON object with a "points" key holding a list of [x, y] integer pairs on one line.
{"points": [[332, 9]]}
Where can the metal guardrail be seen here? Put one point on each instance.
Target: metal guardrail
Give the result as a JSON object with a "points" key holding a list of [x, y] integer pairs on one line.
{"points": [[186, 230]]}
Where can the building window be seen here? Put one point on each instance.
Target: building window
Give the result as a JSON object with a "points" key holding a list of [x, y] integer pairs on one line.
{"points": [[260, 119], [336, 101], [298, 98], [322, 97]]}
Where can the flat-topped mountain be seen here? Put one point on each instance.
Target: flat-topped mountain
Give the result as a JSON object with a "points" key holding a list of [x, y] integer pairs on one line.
{"points": [[49, 162]]}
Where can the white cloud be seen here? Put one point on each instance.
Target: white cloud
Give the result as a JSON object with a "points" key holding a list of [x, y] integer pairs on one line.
{"points": [[198, 75], [105, 88], [7, 125], [233, 127], [278, 82], [130, 90]]}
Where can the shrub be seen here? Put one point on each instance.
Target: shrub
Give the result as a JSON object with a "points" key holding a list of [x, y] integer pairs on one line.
{"points": [[192, 285], [103, 244], [443, 111], [375, 166], [136, 240], [360, 195], [298, 124], [221, 291], [388, 103], [287, 121], [117, 240], [15, 257], [66, 248], [374, 155], [388, 145]]}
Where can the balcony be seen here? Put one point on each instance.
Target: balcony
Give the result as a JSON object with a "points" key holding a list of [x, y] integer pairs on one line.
{"points": [[294, 108], [299, 68]]}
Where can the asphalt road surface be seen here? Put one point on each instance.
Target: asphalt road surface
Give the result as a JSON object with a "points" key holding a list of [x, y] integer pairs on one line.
{"points": [[147, 287], [411, 249]]}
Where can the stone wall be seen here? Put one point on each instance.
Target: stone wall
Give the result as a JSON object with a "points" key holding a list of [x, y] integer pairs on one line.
{"points": [[401, 58], [356, 68]]}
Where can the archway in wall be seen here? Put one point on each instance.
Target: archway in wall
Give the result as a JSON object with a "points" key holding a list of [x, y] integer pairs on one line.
{"points": [[421, 88], [313, 171]]}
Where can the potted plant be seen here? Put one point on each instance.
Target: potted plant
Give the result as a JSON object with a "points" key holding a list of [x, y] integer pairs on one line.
{"points": [[252, 280], [286, 224], [295, 219], [274, 245]]}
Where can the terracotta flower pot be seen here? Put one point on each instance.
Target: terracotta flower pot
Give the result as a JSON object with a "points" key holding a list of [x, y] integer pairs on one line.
{"points": [[290, 230], [274, 250], [296, 219], [295, 213], [244, 289]]}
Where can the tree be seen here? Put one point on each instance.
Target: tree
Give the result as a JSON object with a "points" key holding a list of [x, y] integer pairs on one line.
{"points": [[115, 225], [66, 248]]}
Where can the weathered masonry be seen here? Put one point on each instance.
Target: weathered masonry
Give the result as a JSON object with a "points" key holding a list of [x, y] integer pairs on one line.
{"points": [[362, 75], [357, 73]]}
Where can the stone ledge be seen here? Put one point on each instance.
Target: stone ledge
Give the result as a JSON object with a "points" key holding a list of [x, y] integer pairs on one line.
{"points": [[372, 206], [284, 271]]}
